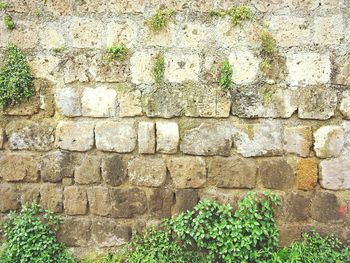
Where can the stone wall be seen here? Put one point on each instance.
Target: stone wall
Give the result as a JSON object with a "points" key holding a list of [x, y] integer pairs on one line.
{"points": [[112, 152]]}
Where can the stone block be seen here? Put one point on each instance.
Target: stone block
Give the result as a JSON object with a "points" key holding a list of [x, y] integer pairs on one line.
{"points": [[296, 207], [2, 137], [75, 231], [61, 8], [335, 174], [147, 171], [114, 170], [167, 137], [245, 65], [324, 207], [140, 69], [114, 136], [45, 67], [185, 199], [19, 168], [68, 101], [55, 166], [329, 30], [75, 136], [51, 36], [99, 200], [127, 6], [193, 35], [25, 36], [188, 172], [161, 202], [88, 172], [276, 174], [147, 137], [120, 32], [75, 200], [76, 68], [129, 101], [232, 172], [345, 104], [99, 102], [181, 67], [30, 193], [29, 135], [329, 141], [342, 70], [298, 140], [84, 32], [51, 197], [9, 197], [307, 173]]}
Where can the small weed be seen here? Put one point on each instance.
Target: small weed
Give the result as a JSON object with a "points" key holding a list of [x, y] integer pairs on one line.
{"points": [[59, 49], [36, 12], [225, 81], [9, 23], [160, 19], [265, 65], [237, 14], [267, 95], [117, 52], [3, 5], [158, 69], [268, 50]]}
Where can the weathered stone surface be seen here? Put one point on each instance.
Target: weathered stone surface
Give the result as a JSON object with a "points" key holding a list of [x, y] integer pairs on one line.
{"points": [[298, 140], [59, 8], [207, 139], [147, 171], [342, 72], [167, 137], [68, 101], [162, 38], [2, 138], [25, 35], [329, 30], [181, 67], [122, 32], [75, 200], [88, 172], [114, 170], [19, 168], [317, 102], [186, 199], [266, 101], [29, 135], [276, 174], [129, 101], [188, 172], [105, 71], [246, 66], [99, 200], [232, 172], [324, 207], [55, 166], [307, 173], [99, 102], [192, 35], [222, 196], [160, 202], [45, 67], [147, 137], [141, 72], [114, 136], [107, 232], [51, 197], [9, 197], [29, 194], [289, 233], [75, 136], [296, 207], [84, 32], [75, 231], [262, 139], [308, 68], [329, 141], [345, 104], [51, 36], [76, 68], [127, 6], [335, 174]]}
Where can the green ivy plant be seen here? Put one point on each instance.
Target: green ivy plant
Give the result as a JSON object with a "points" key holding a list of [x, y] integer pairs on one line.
{"points": [[117, 52], [158, 69], [237, 14], [160, 19], [16, 80], [30, 237], [225, 81], [9, 23]]}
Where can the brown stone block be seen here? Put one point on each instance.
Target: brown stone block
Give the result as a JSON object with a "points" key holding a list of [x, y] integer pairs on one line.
{"points": [[276, 174], [88, 172], [55, 166], [307, 174], [75, 232], [296, 207], [114, 170], [75, 200], [51, 197], [99, 200], [186, 199], [9, 197], [160, 203], [324, 207]]}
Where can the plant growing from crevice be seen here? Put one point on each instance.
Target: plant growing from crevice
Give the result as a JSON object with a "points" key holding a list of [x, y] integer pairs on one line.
{"points": [[237, 14], [9, 23], [160, 19], [269, 50], [16, 80], [3, 5], [59, 49], [36, 12], [117, 52], [158, 69], [226, 71]]}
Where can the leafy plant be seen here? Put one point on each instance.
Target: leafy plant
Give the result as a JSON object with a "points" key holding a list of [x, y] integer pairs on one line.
{"points": [[16, 81], [118, 257], [160, 19], [158, 69], [3, 5], [226, 75], [117, 52], [237, 14], [30, 237], [9, 23]]}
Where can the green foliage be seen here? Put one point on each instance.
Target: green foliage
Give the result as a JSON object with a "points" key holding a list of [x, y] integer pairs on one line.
{"points": [[268, 50], [314, 248], [9, 23], [3, 5], [30, 237], [16, 81], [36, 12], [158, 69], [118, 257], [237, 14], [117, 52], [160, 19], [225, 75], [59, 49]]}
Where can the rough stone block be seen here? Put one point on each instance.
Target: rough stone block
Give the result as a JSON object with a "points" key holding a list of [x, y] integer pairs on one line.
{"points": [[181, 67], [25, 36], [120, 32], [246, 66], [188, 172], [147, 137], [140, 69], [329, 30], [307, 174], [88, 172], [127, 6], [161, 202], [232, 172], [114, 170], [298, 140], [75, 136], [75, 200], [114, 136], [19, 168], [129, 101], [329, 141], [296, 207], [207, 139], [99, 200], [99, 102], [45, 67], [105, 71], [162, 38], [51, 197], [192, 35], [55, 166], [345, 104], [276, 174], [59, 8], [186, 199], [167, 137], [76, 68], [29, 135], [147, 171], [51, 36], [30, 193], [308, 68], [68, 101], [342, 70], [84, 33], [75, 231], [2, 137], [324, 207], [335, 174], [9, 198], [107, 232], [317, 102]]}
